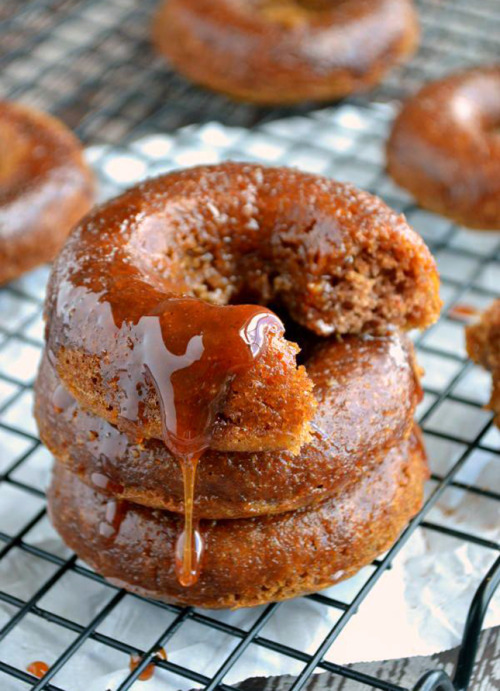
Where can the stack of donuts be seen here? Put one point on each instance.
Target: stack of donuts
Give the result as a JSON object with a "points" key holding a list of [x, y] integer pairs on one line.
{"points": [[227, 387]]}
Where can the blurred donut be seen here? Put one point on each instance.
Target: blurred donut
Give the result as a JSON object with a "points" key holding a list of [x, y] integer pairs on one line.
{"points": [[45, 188], [445, 147], [483, 346], [285, 51]]}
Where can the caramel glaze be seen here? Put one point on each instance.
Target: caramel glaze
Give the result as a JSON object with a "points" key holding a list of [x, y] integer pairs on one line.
{"points": [[445, 147], [366, 388], [45, 187], [38, 668], [187, 348], [148, 672], [285, 51], [254, 560]]}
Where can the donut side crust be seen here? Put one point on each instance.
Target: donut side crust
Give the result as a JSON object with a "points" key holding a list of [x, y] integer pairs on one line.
{"points": [[250, 561], [268, 407], [366, 389]]}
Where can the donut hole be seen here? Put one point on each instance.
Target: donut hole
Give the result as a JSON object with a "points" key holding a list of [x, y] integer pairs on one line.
{"points": [[335, 259], [230, 278], [296, 333], [476, 104], [282, 262]]}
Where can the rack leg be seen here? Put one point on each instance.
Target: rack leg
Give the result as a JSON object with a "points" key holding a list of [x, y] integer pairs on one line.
{"points": [[439, 680]]}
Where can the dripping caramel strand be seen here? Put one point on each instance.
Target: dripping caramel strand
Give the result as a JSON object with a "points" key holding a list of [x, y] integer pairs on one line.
{"points": [[189, 544]]}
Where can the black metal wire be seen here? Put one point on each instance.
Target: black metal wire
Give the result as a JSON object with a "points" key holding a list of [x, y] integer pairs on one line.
{"points": [[105, 83], [473, 627]]}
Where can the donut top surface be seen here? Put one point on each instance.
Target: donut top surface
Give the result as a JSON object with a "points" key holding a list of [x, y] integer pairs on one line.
{"points": [[146, 281], [299, 15]]}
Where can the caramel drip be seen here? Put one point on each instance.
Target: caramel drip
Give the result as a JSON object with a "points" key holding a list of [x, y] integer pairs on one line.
{"points": [[188, 350], [463, 312], [149, 670], [38, 668], [189, 547]]}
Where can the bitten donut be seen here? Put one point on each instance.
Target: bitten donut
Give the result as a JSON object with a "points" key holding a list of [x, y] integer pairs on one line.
{"points": [[445, 147], [483, 346], [249, 561], [366, 389], [147, 284], [45, 188], [285, 51]]}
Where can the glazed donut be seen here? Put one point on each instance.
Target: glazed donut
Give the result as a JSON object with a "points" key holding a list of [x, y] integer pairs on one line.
{"points": [[445, 148], [45, 188], [483, 347], [366, 388], [248, 561], [285, 51], [147, 278]]}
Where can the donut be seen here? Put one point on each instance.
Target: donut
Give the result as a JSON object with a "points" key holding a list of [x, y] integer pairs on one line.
{"points": [[366, 390], [45, 188], [249, 561], [153, 283], [285, 51], [444, 147], [483, 347]]}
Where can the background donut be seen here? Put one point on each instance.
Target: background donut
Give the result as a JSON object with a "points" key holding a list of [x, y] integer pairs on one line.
{"points": [[272, 52], [45, 188], [483, 346], [445, 149]]}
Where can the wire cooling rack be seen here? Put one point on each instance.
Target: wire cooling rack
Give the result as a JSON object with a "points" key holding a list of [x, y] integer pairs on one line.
{"points": [[90, 63]]}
